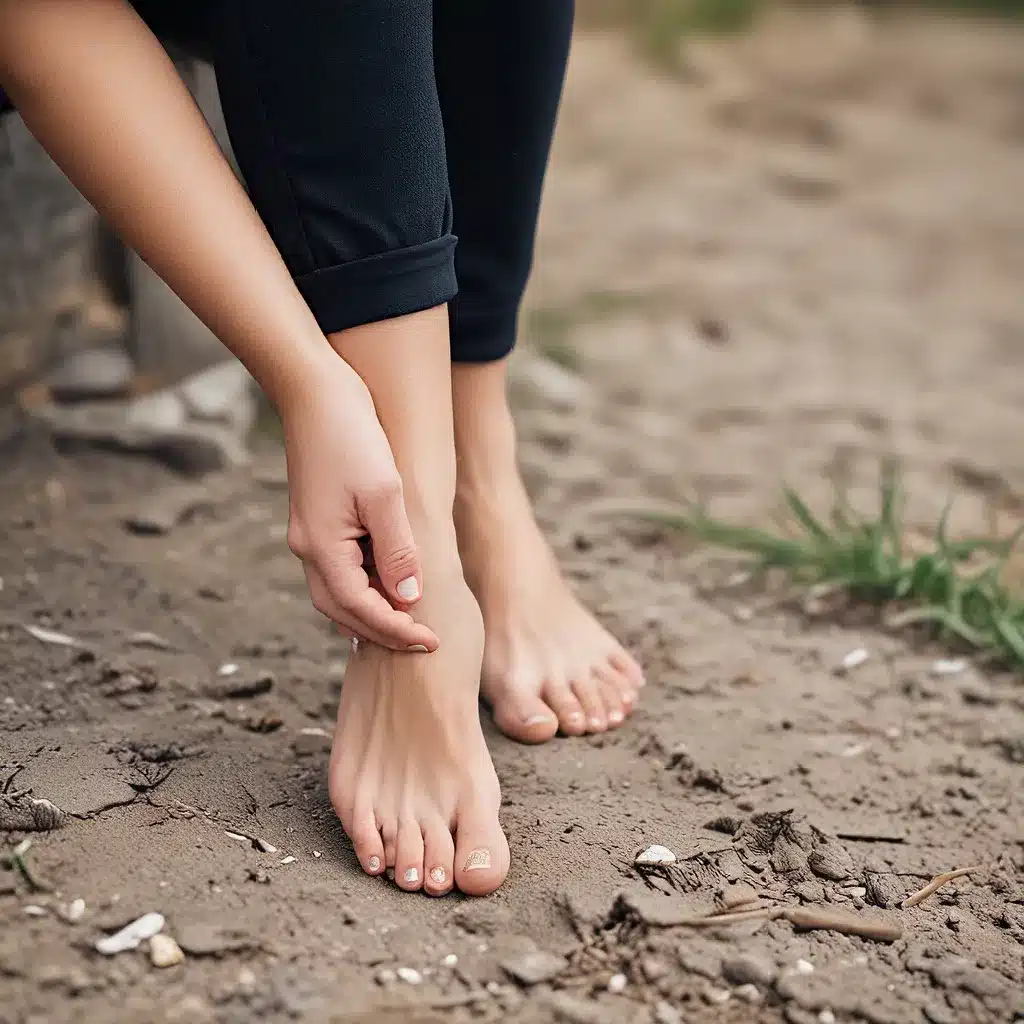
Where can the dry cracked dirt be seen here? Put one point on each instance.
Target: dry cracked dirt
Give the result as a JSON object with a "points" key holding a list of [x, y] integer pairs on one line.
{"points": [[803, 253]]}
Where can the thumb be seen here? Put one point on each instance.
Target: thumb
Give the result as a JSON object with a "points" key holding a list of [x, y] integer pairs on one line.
{"points": [[394, 549]]}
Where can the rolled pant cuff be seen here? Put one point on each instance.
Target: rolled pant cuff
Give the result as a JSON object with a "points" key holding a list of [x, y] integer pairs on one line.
{"points": [[482, 334], [382, 287]]}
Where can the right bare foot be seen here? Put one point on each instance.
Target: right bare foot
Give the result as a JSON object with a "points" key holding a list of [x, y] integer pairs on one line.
{"points": [[410, 776]]}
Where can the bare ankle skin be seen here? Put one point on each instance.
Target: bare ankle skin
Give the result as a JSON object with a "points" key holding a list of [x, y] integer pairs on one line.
{"points": [[548, 665]]}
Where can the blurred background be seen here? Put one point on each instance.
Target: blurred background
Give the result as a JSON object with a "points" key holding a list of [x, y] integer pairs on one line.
{"points": [[776, 238]]}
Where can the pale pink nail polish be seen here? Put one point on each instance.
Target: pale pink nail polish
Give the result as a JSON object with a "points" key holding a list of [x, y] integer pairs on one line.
{"points": [[478, 859], [409, 590]]}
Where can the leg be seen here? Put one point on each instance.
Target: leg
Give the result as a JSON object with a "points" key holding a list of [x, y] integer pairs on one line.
{"points": [[548, 664], [334, 118]]}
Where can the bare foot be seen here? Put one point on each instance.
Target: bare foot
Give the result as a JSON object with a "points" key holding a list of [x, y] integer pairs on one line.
{"points": [[410, 775], [548, 664]]}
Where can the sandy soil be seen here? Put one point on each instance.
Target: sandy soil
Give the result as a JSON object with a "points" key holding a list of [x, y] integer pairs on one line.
{"points": [[807, 253]]}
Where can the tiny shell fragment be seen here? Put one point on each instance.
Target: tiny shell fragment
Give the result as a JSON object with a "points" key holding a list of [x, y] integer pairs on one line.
{"points": [[51, 636], [131, 936], [655, 856], [854, 659]]}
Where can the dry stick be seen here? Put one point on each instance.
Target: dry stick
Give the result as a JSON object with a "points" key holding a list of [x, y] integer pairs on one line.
{"points": [[714, 920], [937, 883], [810, 919]]}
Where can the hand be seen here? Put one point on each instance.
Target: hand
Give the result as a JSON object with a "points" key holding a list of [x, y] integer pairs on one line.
{"points": [[343, 486]]}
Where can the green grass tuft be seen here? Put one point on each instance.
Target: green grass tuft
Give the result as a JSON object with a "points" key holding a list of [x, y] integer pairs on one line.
{"points": [[955, 589]]}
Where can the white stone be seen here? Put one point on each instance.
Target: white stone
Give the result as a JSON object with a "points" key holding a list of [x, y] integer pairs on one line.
{"points": [[617, 984], [855, 659], [655, 856], [160, 411], [804, 967], [409, 975], [131, 936]]}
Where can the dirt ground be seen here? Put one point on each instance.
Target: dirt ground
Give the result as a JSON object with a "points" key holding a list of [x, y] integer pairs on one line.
{"points": [[805, 253]]}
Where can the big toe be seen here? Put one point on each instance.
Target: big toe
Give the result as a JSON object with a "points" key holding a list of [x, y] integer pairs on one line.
{"points": [[522, 715], [481, 852]]}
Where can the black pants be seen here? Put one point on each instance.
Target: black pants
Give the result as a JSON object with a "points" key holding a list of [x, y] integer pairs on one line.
{"points": [[372, 133]]}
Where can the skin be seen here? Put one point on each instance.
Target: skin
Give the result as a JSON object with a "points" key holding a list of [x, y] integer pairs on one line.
{"points": [[372, 450]]}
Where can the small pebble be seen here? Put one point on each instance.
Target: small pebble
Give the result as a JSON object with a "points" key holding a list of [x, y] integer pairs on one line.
{"points": [[450, 960], [494, 988], [34, 910], [74, 911], [386, 976], [665, 1013], [229, 668], [826, 1017], [317, 854], [717, 996], [246, 978], [748, 993], [949, 667], [409, 975], [854, 659], [804, 967], [655, 856], [286, 860], [164, 951], [131, 936], [617, 984]]}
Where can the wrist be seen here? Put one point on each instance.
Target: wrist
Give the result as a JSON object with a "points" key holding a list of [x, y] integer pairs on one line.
{"points": [[288, 381]]}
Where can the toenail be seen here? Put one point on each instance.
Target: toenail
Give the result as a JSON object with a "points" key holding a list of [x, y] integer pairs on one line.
{"points": [[412, 875], [437, 875], [615, 716], [375, 863], [595, 723], [409, 590], [627, 698], [576, 716], [538, 720], [391, 874], [418, 649], [478, 859]]}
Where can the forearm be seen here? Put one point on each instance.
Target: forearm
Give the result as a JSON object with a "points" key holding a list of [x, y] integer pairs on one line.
{"points": [[98, 91]]}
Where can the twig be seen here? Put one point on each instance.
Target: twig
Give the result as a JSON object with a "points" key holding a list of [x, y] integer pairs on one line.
{"points": [[9, 781], [869, 837], [810, 919], [739, 916], [937, 883]]}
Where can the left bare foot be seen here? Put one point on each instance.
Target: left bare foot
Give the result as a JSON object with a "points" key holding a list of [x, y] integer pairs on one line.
{"points": [[548, 664]]}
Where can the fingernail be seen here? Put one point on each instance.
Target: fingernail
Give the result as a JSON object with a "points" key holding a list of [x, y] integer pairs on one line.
{"points": [[412, 875], [418, 649], [437, 875], [538, 720], [375, 863], [478, 859], [409, 590]]}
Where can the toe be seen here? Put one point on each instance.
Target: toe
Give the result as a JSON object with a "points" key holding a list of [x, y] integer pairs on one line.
{"points": [[481, 851], [588, 692], [628, 666], [366, 841], [389, 835], [619, 694], [438, 858], [562, 701], [520, 713], [614, 711], [409, 855]]}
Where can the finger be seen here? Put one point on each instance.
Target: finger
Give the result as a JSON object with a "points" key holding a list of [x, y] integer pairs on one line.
{"points": [[395, 557], [367, 614]]}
